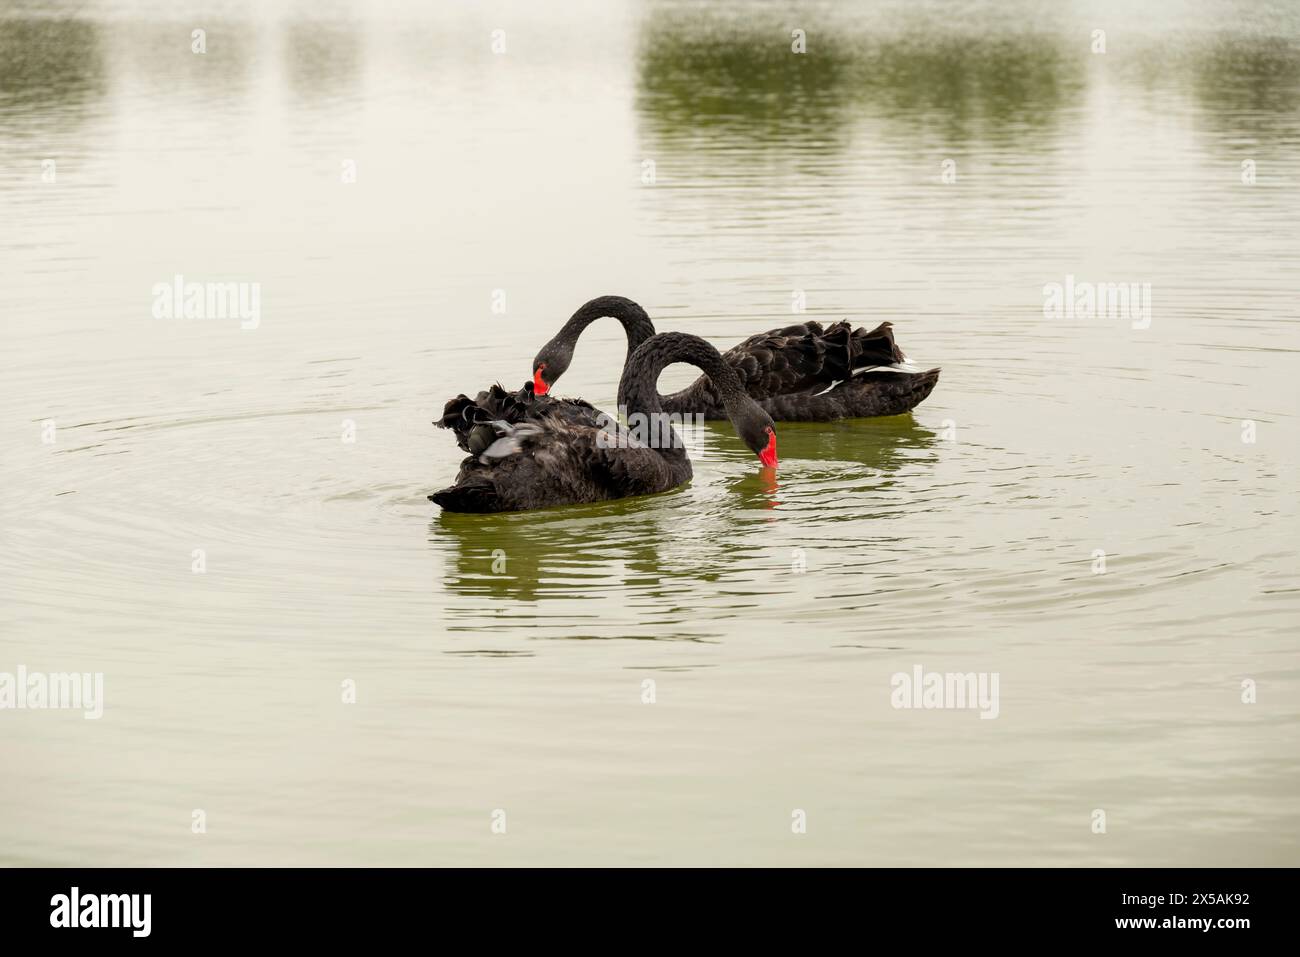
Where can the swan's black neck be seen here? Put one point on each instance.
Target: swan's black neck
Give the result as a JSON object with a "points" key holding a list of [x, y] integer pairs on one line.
{"points": [[638, 389], [639, 400], [635, 322]]}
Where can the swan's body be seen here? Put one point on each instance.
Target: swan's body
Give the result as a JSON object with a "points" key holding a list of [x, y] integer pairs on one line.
{"points": [[529, 451], [802, 373]]}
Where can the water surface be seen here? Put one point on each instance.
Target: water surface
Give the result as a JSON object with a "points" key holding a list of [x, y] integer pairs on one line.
{"points": [[501, 662]]}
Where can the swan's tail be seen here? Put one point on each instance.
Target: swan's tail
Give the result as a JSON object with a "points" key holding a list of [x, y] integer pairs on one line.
{"points": [[852, 352], [470, 496], [875, 394]]}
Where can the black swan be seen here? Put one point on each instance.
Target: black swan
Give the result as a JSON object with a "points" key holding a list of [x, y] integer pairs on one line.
{"points": [[529, 451], [802, 373]]}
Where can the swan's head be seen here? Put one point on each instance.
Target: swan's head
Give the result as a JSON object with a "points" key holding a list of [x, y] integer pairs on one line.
{"points": [[755, 428], [768, 454], [550, 364]]}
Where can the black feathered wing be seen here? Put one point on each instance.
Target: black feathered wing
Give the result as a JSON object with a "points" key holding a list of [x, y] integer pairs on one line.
{"points": [[809, 373], [806, 356], [529, 452]]}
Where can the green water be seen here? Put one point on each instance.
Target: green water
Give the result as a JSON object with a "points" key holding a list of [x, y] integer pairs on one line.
{"points": [[501, 663]]}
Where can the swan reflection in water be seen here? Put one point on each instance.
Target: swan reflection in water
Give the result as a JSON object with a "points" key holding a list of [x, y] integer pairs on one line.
{"points": [[564, 552], [651, 550]]}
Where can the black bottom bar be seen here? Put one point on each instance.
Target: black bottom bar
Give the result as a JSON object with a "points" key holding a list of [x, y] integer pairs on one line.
{"points": [[205, 906]]}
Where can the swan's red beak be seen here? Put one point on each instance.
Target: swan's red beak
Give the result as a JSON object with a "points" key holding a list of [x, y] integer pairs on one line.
{"points": [[768, 455], [539, 384]]}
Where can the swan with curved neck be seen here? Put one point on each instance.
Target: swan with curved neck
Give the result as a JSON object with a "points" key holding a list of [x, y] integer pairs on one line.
{"points": [[638, 391], [801, 373], [553, 358], [534, 451]]}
